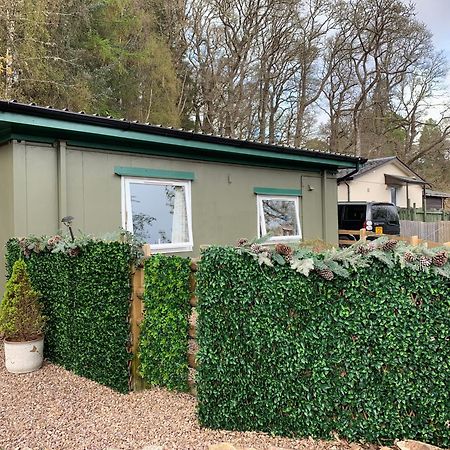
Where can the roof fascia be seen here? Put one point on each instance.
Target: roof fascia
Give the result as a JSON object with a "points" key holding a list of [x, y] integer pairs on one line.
{"points": [[27, 125]]}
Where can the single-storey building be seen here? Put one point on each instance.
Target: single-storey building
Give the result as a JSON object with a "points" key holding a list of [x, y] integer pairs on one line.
{"points": [[382, 180], [175, 189]]}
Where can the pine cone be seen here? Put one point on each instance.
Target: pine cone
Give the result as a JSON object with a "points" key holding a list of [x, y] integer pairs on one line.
{"points": [[440, 258], [283, 249], [362, 249], [409, 257], [289, 257], [327, 274], [256, 248], [389, 245], [424, 261], [73, 252], [241, 242]]}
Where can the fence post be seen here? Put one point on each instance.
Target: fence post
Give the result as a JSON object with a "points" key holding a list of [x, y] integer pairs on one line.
{"points": [[193, 346], [136, 317], [362, 234]]}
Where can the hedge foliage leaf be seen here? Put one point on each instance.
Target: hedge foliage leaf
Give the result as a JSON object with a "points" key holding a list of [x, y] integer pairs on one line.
{"points": [[163, 342]]}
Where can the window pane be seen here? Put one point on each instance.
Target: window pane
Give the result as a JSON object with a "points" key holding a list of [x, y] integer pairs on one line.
{"points": [[384, 213], [280, 217], [159, 213]]}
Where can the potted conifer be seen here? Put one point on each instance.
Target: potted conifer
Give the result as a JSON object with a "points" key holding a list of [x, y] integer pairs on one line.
{"points": [[22, 323]]}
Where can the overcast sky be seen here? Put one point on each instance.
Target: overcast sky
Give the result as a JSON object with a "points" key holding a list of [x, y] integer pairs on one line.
{"points": [[436, 15]]}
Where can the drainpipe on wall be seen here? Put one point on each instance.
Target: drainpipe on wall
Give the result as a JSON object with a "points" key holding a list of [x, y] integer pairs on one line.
{"points": [[62, 180], [348, 191]]}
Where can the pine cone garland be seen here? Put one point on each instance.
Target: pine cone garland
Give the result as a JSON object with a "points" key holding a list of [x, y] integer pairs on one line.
{"points": [[327, 274], [424, 262], [440, 259], [389, 245], [409, 257], [283, 249]]}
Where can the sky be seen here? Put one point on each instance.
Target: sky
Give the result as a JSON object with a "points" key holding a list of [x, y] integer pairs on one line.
{"points": [[436, 15]]}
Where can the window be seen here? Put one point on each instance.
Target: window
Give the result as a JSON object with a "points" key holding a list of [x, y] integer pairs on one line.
{"points": [[158, 212], [393, 190], [384, 213], [278, 216]]}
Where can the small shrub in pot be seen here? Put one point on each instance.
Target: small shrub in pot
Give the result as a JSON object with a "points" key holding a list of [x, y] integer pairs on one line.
{"points": [[22, 322]]}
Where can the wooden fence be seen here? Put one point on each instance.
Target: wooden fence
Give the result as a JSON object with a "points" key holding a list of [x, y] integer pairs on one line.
{"points": [[417, 214], [136, 382], [432, 231]]}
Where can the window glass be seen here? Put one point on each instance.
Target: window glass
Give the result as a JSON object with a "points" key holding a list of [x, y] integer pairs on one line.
{"points": [[393, 190], [386, 213], [278, 216], [158, 212], [355, 212]]}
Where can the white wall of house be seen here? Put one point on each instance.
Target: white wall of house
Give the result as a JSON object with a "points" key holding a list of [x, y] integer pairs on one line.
{"points": [[371, 186]]}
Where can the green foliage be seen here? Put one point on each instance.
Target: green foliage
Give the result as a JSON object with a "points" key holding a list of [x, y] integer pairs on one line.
{"points": [[164, 333], [366, 356], [21, 317], [85, 294]]}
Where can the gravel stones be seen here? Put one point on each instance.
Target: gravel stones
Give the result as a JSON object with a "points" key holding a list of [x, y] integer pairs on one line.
{"points": [[55, 409]]}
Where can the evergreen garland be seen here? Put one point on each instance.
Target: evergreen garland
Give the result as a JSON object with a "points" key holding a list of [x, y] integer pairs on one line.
{"points": [[336, 262]]}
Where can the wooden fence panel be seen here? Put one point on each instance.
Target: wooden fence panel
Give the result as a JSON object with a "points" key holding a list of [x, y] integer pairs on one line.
{"points": [[430, 231]]}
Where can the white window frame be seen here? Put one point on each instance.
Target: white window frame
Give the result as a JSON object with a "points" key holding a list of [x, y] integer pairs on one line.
{"points": [[262, 223], [127, 216]]}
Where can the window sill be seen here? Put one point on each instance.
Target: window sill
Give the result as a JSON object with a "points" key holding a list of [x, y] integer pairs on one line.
{"points": [[283, 239], [175, 249]]}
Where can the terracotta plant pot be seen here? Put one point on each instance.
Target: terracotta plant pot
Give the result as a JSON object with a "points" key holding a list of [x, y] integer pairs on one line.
{"points": [[24, 357]]}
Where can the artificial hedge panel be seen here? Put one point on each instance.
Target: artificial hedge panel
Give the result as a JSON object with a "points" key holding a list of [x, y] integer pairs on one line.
{"points": [[164, 331], [366, 357], [86, 299]]}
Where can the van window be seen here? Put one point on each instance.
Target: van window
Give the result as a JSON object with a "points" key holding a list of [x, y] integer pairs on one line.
{"points": [[385, 213], [355, 212]]}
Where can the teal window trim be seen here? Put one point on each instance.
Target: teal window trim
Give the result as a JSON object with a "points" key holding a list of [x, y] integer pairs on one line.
{"points": [[154, 173], [277, 191]]}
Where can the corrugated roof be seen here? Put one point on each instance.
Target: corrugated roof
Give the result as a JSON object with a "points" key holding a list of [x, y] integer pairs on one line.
{"points": [[123, 124]]}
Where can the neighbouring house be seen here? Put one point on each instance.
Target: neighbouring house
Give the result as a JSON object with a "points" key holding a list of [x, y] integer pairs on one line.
{"points": [[174, 189], [435, 201], [382, 180]]}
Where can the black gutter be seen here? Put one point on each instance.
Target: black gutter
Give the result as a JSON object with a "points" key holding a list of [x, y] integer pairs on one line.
{"points": [[350, 174], [81, 117]]}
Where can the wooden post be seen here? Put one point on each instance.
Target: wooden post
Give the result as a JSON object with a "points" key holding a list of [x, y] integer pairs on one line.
{"points": [[136, 317], [414, 212], [362, 234], [147, 251], [192, 352]]}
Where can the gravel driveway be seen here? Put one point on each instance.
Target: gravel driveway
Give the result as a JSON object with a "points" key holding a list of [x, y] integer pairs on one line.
{"points": [[55, 409]]}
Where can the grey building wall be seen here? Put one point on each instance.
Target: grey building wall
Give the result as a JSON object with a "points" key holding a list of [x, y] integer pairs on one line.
{"points": [[53, 181]]}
